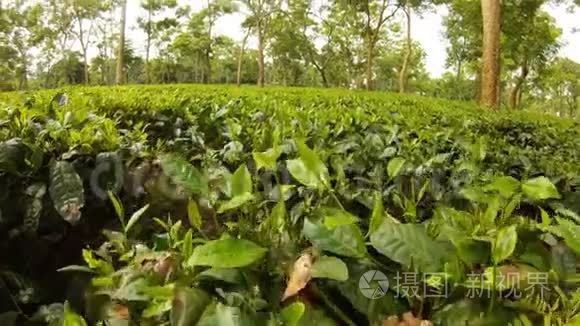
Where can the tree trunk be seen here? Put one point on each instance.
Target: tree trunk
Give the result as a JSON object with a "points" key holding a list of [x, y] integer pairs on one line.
{"points": [[147, 49], [260, 56], [323, 76], [86, 63], [491, 11], [459, 73], [370, 57], [120, 74], [241, 58], [403, 73], [516, 91]]}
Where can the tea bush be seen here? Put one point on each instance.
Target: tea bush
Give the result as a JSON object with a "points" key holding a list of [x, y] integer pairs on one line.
{"points": [[195, 205]]}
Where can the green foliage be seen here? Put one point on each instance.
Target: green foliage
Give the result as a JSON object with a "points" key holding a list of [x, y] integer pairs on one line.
{"points": [[226, 253], [221, 192]]}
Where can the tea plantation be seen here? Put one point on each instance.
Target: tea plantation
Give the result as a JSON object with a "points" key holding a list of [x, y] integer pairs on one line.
{"points": [[214, 205]]}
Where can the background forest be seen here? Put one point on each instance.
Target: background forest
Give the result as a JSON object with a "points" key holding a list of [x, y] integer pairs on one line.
{"points": [[320, 43]]}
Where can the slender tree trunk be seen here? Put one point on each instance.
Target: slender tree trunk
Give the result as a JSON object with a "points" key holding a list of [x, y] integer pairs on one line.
{"points": [[323, 76], [516, 91], [408, 53], [459, 72], [208, 51], [207, 64], [370, 57], [261, 72], [86, 66], [120, 74], [491, 11], [147, 49], [241, 58]]}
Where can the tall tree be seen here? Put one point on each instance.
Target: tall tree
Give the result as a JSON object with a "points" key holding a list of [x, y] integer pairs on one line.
{"points": [[153, 26], [490, 67], [532, 42], [202, 25], [120, 74], [374, 14], [85, 13], [409, 49], [21, 29], [241, 56], [259, 19]]}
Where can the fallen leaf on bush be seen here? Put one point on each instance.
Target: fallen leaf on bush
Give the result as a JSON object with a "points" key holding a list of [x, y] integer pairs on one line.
{"points": [[119, 311], [299, 276], [408, 320]]}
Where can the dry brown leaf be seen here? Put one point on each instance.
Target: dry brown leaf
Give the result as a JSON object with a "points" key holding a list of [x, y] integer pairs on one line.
{"points": [[299, 276], [391, 321], [120, 311], [408, 319]]}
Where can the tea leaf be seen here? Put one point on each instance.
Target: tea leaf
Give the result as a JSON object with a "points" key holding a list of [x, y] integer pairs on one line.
{"points": [[330, 267], [241, 181], [184, 174], [188, 306], [71, 318], [135, 217], [66, 191], [570, 232], [226, 253], [293, 313], [378, 214], [504, 244], [394, 167], [193, 214], [409, 245], [345, 240], [235, 202], [505, 185], [540, 188], [267, 159], [334, 217]]}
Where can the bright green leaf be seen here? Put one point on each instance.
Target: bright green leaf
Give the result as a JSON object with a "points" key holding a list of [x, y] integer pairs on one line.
{"points": [[135, 217], [378, 215], [226, 253], [505, 185], [71, 318], [267, 159], [394, 167], [504, 244], [302, 174], [345, 240], [187, 245], [334, 217], [292, 313], [540, 188], [277, 218], [308, 169], [193, 214], [235, 202], [118, 206], [330, 267], [241, 182]]}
